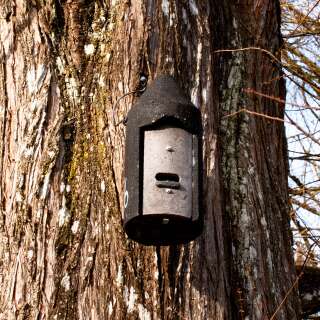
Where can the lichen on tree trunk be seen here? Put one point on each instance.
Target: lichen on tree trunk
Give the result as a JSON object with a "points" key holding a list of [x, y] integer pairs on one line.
{"points": [[64, 65]]}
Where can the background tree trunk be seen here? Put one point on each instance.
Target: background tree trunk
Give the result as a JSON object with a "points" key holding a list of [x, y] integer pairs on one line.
{"points": [[63, 252]]}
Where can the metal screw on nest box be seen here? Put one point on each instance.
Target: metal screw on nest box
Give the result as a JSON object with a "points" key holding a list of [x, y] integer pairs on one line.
{"points": [[163, 167], [143, 81]]}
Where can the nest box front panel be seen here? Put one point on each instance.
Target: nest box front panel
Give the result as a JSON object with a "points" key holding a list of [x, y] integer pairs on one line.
{"points": [[167, 172]]}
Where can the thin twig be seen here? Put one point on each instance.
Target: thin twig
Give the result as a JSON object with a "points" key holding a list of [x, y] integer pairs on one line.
{"points": [[279, 100], [251, 48], [294, 284], [305, 17], [302, 130], [253, 113], [305, 206], [252, 91], [287, 295], [273, 57]]}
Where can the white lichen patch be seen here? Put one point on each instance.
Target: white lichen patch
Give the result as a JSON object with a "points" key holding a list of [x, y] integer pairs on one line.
{"points": [[172, 17], [68, 188], [144, 314], [103, 186], [253, 253], [251, 170], [119, 279], [65, 282], [73, 83], [75, 226], [51, 154], [245, 153], [243, 187], [89, 261], [263, 222], [21, 180], [269, 259], [120, 86], [245, 218], [34, 105], [130, 298], [111, 26], [101, 81], [193, 8], [258, 307], [89, 49], [28, 152], [45, 186], [156, 273], [103, 48], [235, 23], [62, 187], [185, 42], [30, 254], [204, 95], [184, 16], [72, 88], [110, 308], [63, 216], [102, 17], [194, 90], [19, 197], [39, 214], [60, 65], [31, 75], [35, 78], [165, 6]]}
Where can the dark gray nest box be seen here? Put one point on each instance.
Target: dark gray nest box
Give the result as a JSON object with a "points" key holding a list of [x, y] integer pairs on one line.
{"points": [[163, 167]]}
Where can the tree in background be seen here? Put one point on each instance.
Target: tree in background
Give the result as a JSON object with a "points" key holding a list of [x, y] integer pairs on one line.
{"points": [[300, 56], [64, 65]]}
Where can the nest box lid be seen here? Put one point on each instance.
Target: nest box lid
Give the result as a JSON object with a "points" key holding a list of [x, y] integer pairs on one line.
{"points": [[162, 102]]}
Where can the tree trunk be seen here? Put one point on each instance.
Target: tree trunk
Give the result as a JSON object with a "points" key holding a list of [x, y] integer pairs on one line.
{"points": [[64, 255]]}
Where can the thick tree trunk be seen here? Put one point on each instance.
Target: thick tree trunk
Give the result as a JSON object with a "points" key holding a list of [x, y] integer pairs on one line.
{"points": [[64, 255]]}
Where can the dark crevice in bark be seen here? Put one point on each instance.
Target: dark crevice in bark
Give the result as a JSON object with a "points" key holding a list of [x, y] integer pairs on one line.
{"points": [[117, 197], [160, 287], [172, 266], [58, 22], [4, 129]]}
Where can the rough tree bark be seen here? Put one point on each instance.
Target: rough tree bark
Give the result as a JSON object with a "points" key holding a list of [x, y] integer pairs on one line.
{"points": [[63, 252]]}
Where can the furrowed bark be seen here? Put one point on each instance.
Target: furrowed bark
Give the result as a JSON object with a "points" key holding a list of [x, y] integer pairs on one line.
{"points": [[64, 65]]}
